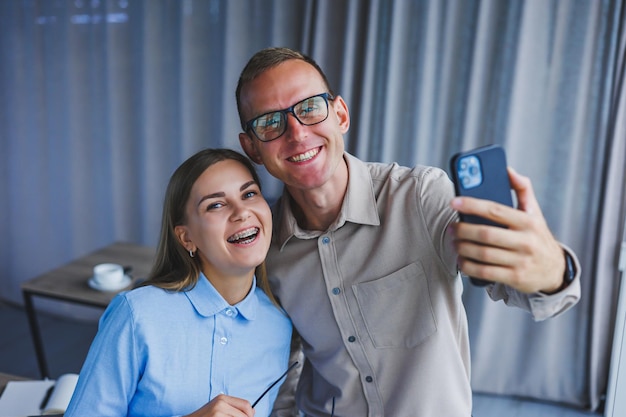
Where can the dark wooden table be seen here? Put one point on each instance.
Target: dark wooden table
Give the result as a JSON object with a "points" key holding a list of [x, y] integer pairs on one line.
{"points": [[69, 283]]}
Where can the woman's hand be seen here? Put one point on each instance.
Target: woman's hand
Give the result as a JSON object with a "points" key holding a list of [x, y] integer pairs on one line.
{"points": [[225, 406]]}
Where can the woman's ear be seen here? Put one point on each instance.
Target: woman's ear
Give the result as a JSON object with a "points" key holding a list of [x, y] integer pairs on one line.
{"points": [[182, 233]]}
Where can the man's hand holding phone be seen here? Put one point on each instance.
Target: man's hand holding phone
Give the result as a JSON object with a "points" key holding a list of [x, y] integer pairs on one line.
{"points": [[522, 253]]}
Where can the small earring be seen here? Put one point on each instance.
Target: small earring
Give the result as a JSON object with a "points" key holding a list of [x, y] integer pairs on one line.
{"points": [[191, 253]]}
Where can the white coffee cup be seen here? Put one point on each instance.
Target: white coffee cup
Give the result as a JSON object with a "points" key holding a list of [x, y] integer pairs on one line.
{"points": [[107, 275]]}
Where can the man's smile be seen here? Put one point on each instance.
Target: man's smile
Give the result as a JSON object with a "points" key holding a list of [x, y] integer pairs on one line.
{"points": [[306, 156]]}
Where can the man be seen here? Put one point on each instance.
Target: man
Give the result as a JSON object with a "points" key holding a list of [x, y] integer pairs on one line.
{"points": [[364, 256]]}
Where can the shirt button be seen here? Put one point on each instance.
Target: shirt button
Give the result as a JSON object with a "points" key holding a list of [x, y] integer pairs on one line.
{"points": [[223, 340], [351, 339], [336, 290], [325, 240], [369, 378], [229, 312]]}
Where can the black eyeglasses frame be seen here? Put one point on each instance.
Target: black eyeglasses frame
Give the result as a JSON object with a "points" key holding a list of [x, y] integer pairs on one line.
{"points": [[326, 96]]}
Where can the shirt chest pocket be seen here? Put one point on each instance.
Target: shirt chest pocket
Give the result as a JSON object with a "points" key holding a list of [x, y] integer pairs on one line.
{"points": [[397, 309]]}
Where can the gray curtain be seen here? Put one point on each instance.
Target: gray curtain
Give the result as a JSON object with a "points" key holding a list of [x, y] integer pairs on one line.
{"points": [[100, 100]]}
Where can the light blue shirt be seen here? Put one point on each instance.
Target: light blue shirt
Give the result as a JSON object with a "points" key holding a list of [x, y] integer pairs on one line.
{"points": [[162, 353]]}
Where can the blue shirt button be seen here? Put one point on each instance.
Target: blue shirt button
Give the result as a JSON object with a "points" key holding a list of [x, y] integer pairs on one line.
{"points": [[325, 240], [336, 291], [369, 378], [352, 339]]}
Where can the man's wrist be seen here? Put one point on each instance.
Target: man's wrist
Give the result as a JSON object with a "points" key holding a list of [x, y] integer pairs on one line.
{"points": [[568, 275]]}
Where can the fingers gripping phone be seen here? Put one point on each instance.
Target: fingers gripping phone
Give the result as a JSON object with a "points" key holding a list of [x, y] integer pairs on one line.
{"points": [[481, 173]]}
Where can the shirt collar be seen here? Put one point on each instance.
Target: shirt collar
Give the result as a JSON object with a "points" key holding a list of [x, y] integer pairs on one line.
{"points": [[207, 301], [359, 205]]}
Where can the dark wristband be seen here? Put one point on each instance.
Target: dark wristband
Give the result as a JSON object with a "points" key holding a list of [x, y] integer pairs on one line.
{"points": [[570, 270]]}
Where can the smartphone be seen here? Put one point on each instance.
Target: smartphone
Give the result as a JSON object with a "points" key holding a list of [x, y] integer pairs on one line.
{"points": [[481, 173]]}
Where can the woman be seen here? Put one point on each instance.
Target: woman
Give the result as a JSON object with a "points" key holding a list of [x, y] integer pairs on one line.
{"points": [[199, 338]]}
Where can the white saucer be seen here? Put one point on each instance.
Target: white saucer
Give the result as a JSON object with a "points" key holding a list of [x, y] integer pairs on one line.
{"points": [[115, 287]]}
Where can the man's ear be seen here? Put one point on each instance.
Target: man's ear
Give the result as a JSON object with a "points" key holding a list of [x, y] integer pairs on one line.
{"points": [[343, 115], [182, 233], [247, 144]]}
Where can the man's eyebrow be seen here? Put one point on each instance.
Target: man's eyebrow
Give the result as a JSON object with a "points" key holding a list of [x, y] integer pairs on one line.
{"points": [[222, 194]]}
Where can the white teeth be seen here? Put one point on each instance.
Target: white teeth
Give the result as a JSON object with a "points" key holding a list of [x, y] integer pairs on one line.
{"points": [[244, 234], [304, 156]]}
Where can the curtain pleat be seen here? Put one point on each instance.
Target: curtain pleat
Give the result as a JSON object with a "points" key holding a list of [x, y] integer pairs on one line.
{"points": [[101, 100], [610, 224]]}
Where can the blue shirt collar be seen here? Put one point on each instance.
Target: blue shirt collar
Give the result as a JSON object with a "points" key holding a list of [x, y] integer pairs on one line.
{"points": [[207, 301]]}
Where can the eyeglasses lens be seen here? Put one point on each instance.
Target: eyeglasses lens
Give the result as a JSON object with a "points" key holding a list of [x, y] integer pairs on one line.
{"points": [[269, 125]]}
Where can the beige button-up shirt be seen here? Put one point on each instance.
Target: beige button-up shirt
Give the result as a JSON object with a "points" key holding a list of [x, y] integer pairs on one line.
{"points": [[376, 298]]}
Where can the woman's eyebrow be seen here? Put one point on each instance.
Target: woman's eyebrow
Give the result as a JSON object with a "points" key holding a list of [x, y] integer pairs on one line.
{"points": [[222, 194], [214, 195], [246, 185]]}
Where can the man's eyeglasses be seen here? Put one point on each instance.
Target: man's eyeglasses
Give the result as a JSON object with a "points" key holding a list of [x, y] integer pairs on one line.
{"points": [[276, 382], [272, 125]]}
